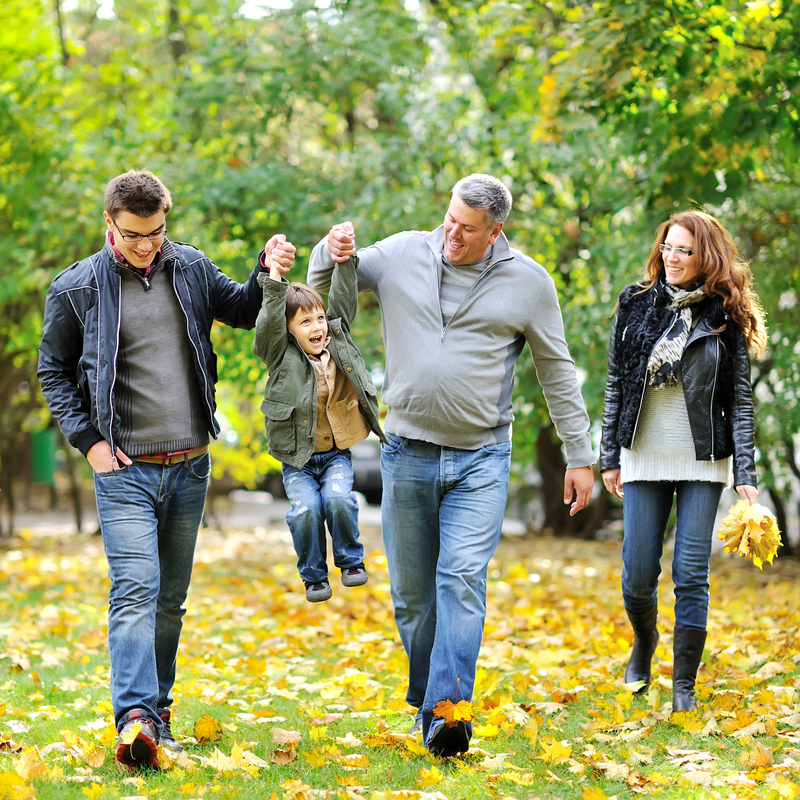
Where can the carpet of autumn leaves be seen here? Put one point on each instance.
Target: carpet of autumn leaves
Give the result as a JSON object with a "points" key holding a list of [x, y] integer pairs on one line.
{"points": [[278, 698]]}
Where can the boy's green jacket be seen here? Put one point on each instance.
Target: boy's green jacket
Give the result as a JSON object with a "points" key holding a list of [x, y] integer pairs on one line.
{"points": [[290, 397]]}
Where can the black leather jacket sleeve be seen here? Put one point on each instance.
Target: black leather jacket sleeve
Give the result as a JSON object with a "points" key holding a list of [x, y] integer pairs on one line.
{"points": [[743, 418], [60, 353], [609, 449]]}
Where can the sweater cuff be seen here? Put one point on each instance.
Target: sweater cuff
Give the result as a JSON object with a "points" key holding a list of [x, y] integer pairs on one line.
{"points": [[87, 439], [580, 455]]}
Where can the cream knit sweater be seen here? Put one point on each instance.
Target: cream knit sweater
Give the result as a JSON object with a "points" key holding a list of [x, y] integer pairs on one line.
{"points": [[663, 448]]}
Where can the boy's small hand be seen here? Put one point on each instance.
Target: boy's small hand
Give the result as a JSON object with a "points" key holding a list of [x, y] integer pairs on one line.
{"points": [[279, 254], [342, 241]]}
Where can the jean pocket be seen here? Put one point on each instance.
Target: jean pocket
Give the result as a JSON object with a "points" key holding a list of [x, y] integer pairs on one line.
{"points": [[499, 450], [106, 472], [200, 467], [392, 445]]}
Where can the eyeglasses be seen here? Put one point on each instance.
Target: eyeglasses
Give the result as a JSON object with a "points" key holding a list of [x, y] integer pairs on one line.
{"points": [[137, 237], [679, 251]]}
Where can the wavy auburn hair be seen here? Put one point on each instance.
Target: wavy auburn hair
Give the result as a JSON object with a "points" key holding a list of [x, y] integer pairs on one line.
{"points": [[725, 274]]}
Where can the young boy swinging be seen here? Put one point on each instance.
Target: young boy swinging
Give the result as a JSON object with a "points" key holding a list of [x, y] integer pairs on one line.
{"points": [[318, 402]]}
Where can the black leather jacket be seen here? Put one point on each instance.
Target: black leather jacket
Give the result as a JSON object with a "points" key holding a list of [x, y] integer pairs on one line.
{"points": [[715, 372], [80, 337]]}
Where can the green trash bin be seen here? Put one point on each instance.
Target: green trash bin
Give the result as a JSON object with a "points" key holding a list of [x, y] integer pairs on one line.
{"points": [[43, 456]]}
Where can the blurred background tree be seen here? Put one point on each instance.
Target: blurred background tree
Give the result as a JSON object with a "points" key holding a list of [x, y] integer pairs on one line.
{"points": [[261, 117]]}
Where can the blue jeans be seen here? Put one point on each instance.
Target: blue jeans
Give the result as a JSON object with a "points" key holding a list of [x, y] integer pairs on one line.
{"points": [[646, 509], [321, 492], [442, 513], [149, 516]]}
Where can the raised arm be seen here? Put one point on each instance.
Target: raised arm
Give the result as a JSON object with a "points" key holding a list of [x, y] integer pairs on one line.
{"points": [[335, 248], [343, 294], [237, 304]]}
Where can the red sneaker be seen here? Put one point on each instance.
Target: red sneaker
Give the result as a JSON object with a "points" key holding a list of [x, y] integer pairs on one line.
{"points": [[143, 750]]}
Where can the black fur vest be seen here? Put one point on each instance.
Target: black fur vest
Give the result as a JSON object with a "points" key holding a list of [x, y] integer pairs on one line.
{"points": [[709, 367]]}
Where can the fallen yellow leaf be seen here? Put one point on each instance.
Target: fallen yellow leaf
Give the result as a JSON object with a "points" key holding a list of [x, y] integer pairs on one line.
{"points": [[554, 752], [206, 730], [453, 713], [429, 777]]}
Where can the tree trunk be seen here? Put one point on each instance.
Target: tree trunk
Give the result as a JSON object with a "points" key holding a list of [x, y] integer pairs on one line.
{"points": [[177, 36], [61, 39], [74, 484], [785, 548], [557, 520]]}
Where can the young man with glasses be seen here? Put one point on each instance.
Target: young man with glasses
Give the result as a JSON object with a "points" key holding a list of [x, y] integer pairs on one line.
{"points": [[127, 368]]}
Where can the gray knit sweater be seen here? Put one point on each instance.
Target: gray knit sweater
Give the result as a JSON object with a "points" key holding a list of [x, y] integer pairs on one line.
{"points": [[452, 385]]}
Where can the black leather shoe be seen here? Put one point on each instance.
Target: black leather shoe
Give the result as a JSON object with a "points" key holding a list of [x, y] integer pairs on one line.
{"points": [[687, 653], [447, 742], [645, 640]]}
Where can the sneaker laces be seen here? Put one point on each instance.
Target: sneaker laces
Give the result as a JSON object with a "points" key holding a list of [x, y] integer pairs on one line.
{"points": [[166, 728]]}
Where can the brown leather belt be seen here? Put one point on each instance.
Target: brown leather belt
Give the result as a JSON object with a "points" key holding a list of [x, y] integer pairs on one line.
{"points": [[178, 458]]}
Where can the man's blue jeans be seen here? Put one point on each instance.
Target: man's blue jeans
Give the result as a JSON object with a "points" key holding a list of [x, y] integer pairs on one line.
{"points": [[321, 492], [646, 509], [149, 517], [442, 513]]}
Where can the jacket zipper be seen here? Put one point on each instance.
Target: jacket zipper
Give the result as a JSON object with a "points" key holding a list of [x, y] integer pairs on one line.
{"points": [[469, 291], [114, 377], [194, 346], [713, 391], [644, 377]]}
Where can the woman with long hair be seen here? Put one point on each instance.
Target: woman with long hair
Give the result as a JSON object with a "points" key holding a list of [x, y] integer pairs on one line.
{"points": [[678, 422]]}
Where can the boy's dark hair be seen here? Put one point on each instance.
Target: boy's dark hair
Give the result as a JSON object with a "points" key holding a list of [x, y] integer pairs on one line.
{"points": [[300, 297], [138, 192]]}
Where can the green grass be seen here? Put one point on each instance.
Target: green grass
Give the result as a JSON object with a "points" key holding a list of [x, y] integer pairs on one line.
{"points": [[555, 647]]}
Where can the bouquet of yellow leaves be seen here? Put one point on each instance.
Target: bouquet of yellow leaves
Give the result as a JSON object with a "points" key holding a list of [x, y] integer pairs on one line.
{"points": [[750, 530]]}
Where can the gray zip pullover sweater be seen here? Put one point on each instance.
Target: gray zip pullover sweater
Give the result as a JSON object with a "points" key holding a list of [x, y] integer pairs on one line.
{"points": [[452, 384]]}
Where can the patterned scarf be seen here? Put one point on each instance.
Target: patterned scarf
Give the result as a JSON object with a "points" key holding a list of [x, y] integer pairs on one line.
{"points": [[664, 365]]}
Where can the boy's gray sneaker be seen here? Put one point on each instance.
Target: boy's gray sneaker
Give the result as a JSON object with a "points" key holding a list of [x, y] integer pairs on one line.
{"points": [[354, 576], [318, 592]]}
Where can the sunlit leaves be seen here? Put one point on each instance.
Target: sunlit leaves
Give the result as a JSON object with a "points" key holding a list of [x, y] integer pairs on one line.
{"points": [[207, 730], [751, 530], [429, 777], [554, 752], [309, 700], [453, 713]]}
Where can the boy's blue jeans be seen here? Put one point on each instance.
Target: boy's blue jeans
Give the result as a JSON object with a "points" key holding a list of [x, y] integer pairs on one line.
{"points": [[149, 516], [321, 492]]}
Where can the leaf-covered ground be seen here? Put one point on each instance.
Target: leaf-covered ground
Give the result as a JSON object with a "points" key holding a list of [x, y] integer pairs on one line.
{"points": [[278, 698]]}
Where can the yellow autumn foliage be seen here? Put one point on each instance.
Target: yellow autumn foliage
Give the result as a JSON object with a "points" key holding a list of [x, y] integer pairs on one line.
{"points": [[750, 530], [453, 713]]}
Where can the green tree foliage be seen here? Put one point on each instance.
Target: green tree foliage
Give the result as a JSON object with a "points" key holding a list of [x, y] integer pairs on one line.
{"points": [[32, 150], [602, 117]]}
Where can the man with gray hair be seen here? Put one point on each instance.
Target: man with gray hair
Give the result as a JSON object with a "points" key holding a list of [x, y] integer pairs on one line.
{"points": [[458, 305]]}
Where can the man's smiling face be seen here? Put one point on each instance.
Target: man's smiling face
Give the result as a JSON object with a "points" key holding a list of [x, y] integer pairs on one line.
{"points": [[466, 235], [138, 254]]}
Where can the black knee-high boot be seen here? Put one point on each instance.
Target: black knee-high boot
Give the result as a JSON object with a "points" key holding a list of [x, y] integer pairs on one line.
{"points": [[645, 639], [687, 652]]}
